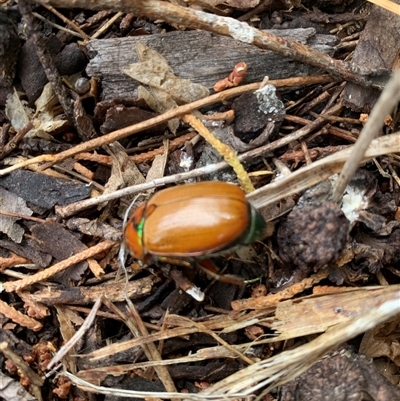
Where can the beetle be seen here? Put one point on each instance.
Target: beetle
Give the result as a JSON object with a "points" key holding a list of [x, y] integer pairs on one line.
{"points": [[192, 222]]}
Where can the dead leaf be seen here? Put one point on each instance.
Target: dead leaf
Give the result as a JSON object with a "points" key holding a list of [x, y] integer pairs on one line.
{"points": [[157, 168], [44, 119], [383, 341], [67, 331], [18, 111], [153, 70], [161, 103], [10, 202], [124, 171]]}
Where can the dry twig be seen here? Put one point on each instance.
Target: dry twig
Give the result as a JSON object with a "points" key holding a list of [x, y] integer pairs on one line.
{"points": [[58, 267], [152, 122], [19, 318]]}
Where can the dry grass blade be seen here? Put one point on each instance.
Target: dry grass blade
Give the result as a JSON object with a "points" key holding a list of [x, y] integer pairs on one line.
{"points": [[85, 326], [115, 392], [319, 171], [363, 309], [388, 5], [289, 364], [137, 327], [200, 355]]}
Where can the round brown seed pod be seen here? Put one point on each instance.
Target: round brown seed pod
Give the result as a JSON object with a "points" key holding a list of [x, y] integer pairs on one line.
{"points": [[313, 235]]}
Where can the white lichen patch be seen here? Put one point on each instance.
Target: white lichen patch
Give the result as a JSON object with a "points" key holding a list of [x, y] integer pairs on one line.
{"points": [[237, 30], [268, 102], [353, 201], [186, 161], [241, 31]]}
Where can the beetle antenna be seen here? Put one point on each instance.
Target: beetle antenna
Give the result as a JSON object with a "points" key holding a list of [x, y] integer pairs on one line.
{"points": [[122, 254]]}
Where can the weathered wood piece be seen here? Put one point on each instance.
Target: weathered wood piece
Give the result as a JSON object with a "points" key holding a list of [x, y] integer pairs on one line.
{"points": [[42, 190], [84, 295], [200, 56], [10, 46], [377, 49]]}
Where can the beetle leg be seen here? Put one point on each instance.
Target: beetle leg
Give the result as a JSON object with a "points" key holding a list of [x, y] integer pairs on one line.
{"points": [[208, 267], [174, 261]]}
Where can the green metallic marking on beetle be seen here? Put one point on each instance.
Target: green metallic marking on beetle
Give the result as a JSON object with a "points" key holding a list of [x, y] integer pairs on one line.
{"points": [[255, 229], [139, 230]]}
